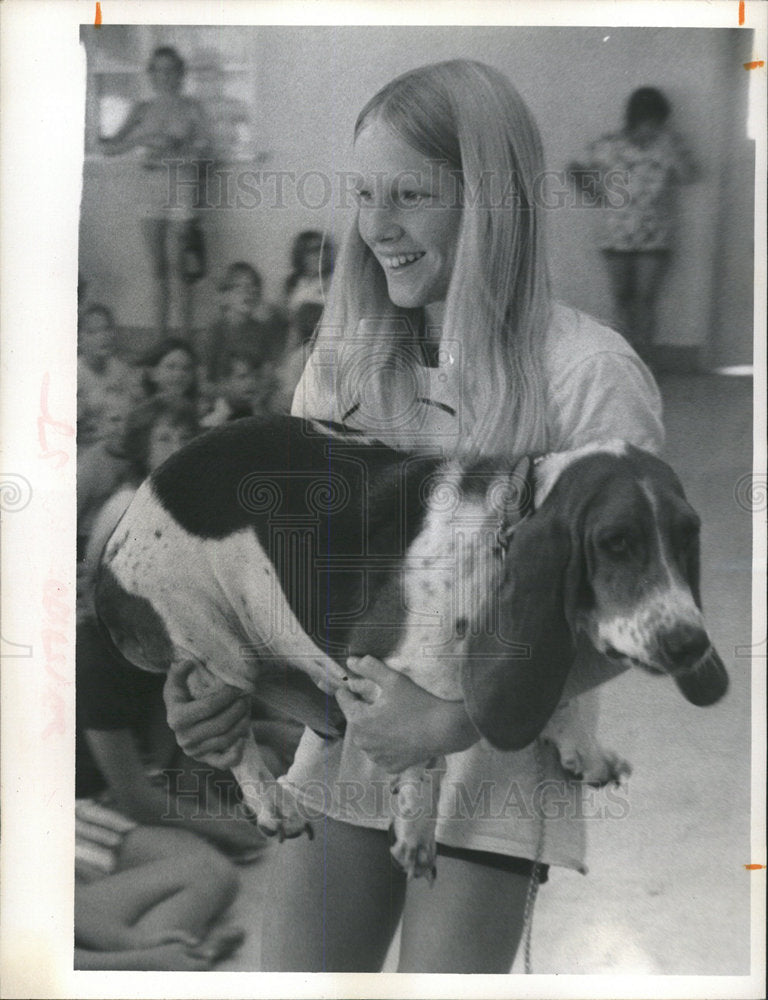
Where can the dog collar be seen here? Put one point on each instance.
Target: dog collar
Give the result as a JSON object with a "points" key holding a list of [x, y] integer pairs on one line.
{"points": [[522, 483]]}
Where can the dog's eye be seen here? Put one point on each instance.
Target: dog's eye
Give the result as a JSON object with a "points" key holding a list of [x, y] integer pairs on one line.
{"points": [[618, 543]]}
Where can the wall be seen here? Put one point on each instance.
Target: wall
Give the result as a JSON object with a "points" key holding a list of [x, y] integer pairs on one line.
{"points": [[312, 81]]}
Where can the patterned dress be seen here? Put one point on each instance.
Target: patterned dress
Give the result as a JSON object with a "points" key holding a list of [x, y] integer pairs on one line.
{"points": [[637, 183]]}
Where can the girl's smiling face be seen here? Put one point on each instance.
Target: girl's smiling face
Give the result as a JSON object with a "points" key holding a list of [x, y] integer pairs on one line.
{"points": [[174, 374], [409, 215]]}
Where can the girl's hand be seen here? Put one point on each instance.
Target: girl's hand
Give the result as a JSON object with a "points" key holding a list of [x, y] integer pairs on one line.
{"points": [[211, 729], [396, 722]]}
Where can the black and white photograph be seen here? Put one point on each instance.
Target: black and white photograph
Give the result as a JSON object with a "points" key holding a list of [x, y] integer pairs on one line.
{"points": [[399, 469]]}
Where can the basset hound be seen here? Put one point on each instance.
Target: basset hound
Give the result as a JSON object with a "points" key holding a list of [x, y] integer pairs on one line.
{"points": [[267, 552]]}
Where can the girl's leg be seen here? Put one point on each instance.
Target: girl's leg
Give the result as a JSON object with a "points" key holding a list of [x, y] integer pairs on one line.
{"points": [[469, 920], [155, 232], [180, 293], [334, 903]]}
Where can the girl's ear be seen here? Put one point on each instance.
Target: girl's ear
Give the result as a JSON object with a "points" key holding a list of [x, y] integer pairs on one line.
{"points": [[514, 672]]}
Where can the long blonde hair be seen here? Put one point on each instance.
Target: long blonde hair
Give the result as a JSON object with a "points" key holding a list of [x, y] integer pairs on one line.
{"points": [[469, 117]]}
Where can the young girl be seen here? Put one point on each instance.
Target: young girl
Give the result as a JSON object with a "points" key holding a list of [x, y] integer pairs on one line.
{"points": [[439, 333], [642, 164], [246, 326], [170, 371], [175, 134], [100, 372]]}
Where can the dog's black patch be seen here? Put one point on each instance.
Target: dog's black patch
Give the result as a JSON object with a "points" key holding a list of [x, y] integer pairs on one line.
{"points": [[334, 515]]}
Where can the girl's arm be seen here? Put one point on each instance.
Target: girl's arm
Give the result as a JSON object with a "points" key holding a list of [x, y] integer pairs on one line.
{"points": [[129, 136]]}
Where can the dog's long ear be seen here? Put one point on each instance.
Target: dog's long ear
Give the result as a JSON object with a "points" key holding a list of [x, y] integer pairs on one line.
{"points": [[515, 670], [692, 563]]}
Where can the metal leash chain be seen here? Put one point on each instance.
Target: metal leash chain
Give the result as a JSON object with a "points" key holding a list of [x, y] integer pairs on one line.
{"points": [[533, 882]]}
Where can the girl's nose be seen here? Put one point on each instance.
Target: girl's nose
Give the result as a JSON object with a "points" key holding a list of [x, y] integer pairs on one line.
{"points": [[379, 223]]}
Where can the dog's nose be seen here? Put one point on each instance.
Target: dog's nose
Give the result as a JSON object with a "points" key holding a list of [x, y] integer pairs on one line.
{"points": [[685, 644]]}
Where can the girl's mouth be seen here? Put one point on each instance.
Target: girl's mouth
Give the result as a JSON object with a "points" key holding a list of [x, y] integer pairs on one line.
{"points": [[400, 261]]}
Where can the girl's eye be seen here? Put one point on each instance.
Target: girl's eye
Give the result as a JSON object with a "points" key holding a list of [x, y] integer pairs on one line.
{"points": [[408, 199], [364, 196]]}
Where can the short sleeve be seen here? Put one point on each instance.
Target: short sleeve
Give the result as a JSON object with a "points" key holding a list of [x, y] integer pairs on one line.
{"points": [[608, 395]]}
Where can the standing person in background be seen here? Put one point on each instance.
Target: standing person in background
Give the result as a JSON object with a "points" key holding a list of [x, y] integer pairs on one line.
{"points": [[174, 132], [442, 335], [634, 173]]}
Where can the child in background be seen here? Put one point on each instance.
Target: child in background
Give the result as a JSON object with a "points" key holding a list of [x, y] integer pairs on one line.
{"points": [[172, 128], [103, 465], [244, 390], [311, 269], [634, 173], [247, 326], [170, 371], [153, 432], [148, 883], [304, 322], [99, 371]]}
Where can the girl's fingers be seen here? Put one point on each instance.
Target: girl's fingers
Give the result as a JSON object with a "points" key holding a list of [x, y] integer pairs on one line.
{"points": [[228, 759], [210, 716], [223, 741], [349, 703], [363, 688]]}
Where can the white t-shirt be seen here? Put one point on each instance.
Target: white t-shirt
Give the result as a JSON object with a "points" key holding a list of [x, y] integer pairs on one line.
{"points": [[597, 389]]}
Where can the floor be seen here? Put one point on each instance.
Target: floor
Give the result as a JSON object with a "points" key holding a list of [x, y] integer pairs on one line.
{"points": [[667, 890]]}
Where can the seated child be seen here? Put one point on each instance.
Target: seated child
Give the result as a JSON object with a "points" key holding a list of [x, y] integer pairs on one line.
{"points": [[99, 371], [153, 902], [170, 370], [103, 465], [246, 326], [304, 321], [311, 268], [244, 390], [153, 431]]}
